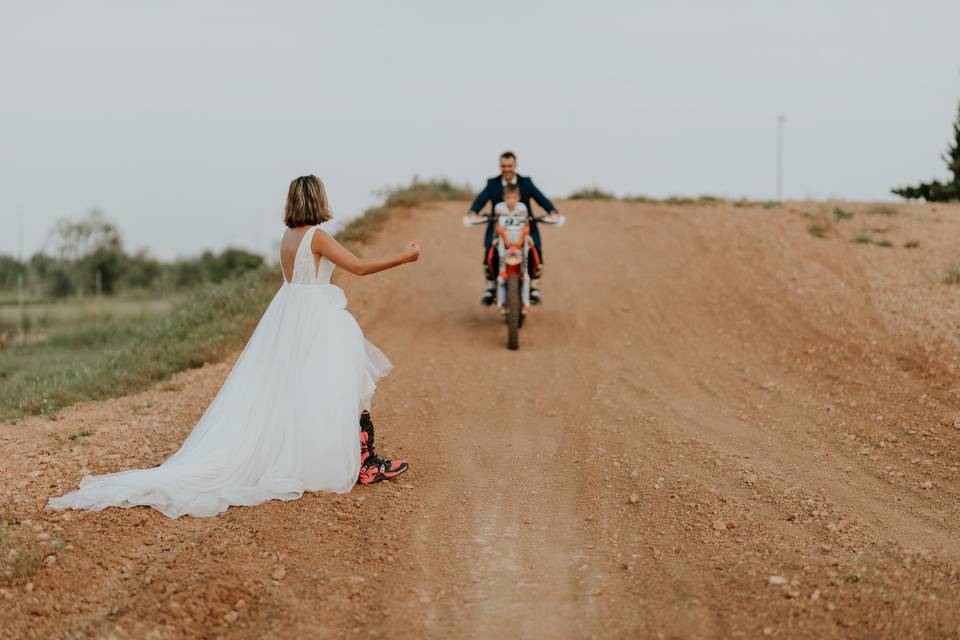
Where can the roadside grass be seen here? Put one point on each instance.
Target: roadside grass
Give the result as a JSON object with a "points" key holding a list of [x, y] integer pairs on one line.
{"points": [[370, 221], [591, 193], [763, 204], [421, 191], [867, 237], [704, 200], [412, 195], [22, 547], [818, 229], [818, 224], [639, 198], [951, 274]]}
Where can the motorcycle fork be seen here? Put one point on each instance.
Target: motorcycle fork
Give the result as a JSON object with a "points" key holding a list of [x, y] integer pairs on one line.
{"points": [[524, 274]]}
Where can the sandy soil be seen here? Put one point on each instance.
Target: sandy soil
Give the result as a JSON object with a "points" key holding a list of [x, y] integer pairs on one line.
{"points": [[717, 426]]}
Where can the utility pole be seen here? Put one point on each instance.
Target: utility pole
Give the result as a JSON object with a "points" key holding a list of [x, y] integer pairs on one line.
{"points": [[257, 240], [23, 320], [780, 120]]}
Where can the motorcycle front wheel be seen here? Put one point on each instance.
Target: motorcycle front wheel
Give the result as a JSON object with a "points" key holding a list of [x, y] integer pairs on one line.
{"points": [[513, 312]]}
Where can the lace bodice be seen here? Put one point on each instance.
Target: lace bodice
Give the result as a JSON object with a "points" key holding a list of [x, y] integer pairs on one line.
{"points": [[305, 269]]}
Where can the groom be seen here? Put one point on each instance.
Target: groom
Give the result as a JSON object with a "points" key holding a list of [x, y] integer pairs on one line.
{"points": [[493, 193]]}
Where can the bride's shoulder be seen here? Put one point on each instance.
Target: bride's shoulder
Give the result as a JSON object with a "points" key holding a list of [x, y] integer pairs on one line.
{"points": [[321, 234], [320, 239]]}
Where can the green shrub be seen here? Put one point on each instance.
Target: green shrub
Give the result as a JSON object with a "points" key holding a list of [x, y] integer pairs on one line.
{"points": [[21, 549], [591, 193], [819, 228], [421, 191], [707, 199], [839, 214], [952, 273], [416, 193], [678, 200], [363, 225]]}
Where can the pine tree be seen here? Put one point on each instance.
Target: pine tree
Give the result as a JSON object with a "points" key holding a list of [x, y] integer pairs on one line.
{"points": [[952, 156], [936, 191]]}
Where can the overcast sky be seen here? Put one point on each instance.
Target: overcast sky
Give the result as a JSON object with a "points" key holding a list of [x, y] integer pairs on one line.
{"points": [[186, 120]]}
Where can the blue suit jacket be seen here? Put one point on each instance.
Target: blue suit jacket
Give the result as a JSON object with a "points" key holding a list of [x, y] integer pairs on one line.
{"points": [[493, 192]]}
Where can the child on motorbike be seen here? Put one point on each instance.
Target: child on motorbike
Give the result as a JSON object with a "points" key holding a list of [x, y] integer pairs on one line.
{"points": [[511, 205]]}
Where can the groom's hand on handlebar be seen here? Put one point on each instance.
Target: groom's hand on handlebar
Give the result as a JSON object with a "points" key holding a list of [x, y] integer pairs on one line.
{"points": [[473, 218]]}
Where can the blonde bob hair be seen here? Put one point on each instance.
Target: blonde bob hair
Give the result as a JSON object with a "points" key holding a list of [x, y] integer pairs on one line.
{"points": [[306, 203]]}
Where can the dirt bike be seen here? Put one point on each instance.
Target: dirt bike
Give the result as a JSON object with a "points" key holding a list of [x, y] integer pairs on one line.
{"points": [[515, 249]]}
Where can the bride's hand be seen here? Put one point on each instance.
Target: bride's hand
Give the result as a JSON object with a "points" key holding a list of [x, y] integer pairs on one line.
{"points": [[412, 252]]}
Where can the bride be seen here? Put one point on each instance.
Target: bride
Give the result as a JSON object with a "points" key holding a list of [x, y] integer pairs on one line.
{"points": [[286, 419]]}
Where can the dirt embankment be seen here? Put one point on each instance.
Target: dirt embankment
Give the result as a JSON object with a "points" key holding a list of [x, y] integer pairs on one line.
{"points": [[718, 425]]}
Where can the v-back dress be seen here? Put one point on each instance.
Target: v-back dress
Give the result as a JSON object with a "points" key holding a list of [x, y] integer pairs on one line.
{"points": [[285, 420]]}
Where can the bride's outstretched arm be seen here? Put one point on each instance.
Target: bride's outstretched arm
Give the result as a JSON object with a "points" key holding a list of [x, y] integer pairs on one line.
{"points": [[326, 245]]}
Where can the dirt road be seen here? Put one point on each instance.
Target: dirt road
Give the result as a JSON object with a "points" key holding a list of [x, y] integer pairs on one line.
{"points": [[717, 426]]}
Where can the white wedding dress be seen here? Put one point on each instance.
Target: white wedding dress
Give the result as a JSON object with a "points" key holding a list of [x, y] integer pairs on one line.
{"points": [[284, 422]]}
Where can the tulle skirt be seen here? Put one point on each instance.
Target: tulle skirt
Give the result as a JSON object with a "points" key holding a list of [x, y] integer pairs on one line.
{"points": [[284, 422]]}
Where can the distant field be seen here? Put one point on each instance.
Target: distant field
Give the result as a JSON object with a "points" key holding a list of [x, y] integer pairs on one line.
{"points": [[43, 320], [98, 348]]}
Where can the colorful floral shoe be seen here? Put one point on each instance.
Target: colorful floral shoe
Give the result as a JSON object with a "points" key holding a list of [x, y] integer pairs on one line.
{"points": [[373, 468]]}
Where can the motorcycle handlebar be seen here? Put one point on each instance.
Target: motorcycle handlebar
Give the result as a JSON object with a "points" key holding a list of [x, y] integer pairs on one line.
{"points": [[489, 217]]}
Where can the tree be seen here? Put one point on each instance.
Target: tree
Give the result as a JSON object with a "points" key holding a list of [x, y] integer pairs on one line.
{"points": [[59, 284], [102, 269], [141, 270], [952, 156], [11, 270], [230, 263], [78, 239], [93, 250], [936, 191], [187, 273]]}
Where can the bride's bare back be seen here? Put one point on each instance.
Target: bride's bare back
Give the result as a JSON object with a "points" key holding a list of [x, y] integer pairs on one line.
{"points": [[324, 245], [290, 247]]}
